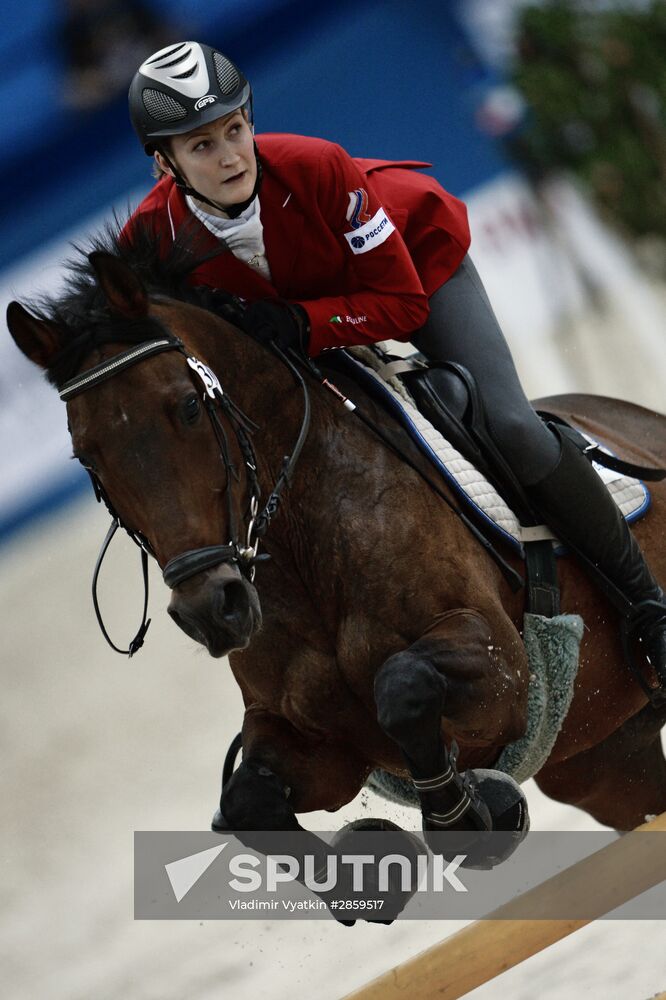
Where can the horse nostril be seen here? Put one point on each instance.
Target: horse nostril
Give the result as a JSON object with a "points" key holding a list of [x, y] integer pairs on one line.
{"points": [[232, 602]]}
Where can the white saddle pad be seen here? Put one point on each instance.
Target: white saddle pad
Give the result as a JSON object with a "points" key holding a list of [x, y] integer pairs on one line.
{"points": [[630, 495]]}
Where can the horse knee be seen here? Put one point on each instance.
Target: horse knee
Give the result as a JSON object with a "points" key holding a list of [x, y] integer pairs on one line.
{"points": [[409, 694], [254, 798]]}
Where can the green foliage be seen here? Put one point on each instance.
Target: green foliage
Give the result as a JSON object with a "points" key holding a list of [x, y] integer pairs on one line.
{"points": [[595, 82]]}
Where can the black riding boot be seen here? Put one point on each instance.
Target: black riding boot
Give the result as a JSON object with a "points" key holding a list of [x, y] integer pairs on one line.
{"points": [[577, 506]]}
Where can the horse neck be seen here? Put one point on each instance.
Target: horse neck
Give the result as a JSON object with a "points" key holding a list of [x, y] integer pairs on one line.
{"points": [[251, 375], [268, 393], [337, 460]]}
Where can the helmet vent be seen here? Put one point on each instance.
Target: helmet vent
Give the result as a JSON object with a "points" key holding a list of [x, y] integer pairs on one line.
{"points": [[165, 53], [161, 107], [184, 76], [174, 62], [226, 73]]}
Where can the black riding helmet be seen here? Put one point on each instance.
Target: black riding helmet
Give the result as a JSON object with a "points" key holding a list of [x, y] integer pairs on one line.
{"points": [[180, 87]]}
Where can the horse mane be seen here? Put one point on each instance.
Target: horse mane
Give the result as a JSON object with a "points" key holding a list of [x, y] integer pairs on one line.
{"points": [[80, 309]]}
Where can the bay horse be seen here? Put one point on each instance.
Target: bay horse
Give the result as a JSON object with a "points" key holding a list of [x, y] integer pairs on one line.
{"points": [[379, 630]]}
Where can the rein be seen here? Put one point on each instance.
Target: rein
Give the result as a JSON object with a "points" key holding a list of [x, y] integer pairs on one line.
{"points": [[193, 561]]}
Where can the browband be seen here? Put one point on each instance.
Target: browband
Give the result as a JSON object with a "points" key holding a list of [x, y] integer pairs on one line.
{"points": [[104, 370]]}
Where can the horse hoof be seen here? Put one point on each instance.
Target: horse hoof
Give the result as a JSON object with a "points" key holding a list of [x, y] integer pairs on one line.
{"points": [[346, 841], [505, 800], [510, 818]]}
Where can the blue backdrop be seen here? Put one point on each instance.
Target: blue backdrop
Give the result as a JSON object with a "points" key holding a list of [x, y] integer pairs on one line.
{"points": [[383, 78]]}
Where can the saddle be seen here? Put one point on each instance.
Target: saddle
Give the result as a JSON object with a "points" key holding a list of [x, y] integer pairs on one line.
{"points": [[415, 379]]}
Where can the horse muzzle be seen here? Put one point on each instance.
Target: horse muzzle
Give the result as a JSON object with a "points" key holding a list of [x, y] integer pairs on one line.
{"points": [[218, 608]]}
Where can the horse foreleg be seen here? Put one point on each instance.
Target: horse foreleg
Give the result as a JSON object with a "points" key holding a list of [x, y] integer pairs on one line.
{"points": [[467, 680], [283, 772]]}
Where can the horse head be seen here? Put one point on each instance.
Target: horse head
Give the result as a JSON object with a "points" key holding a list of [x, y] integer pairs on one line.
{"points": [[169, 453]]}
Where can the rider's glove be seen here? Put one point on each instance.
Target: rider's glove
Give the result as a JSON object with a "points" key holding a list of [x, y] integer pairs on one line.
{"points": [[217, 301], [273, 319]]}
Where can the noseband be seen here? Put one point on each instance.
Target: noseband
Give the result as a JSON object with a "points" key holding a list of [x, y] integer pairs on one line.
{"points": [[194, 561]]}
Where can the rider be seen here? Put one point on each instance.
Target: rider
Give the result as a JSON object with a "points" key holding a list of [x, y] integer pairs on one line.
{"points": [[333, 251]]}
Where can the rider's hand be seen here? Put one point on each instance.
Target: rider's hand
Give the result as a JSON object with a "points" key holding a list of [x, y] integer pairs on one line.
{"points": [[218, 301], [273, 319]]}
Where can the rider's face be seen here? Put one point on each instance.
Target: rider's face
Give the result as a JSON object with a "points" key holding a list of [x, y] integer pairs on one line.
{"points": [[217, 160]]}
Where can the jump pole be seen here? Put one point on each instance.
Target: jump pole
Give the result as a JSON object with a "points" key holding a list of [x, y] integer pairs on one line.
{"points": [[485, 949]]}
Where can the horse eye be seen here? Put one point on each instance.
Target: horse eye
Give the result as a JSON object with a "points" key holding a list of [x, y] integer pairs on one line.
{"points": [[191, 409]]}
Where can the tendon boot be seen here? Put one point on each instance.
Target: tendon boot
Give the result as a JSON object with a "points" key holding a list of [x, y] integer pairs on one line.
{"points": [[575, 503], [491, 805]]}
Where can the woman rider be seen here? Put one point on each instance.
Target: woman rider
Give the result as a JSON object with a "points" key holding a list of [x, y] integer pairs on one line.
{"points": [[332, 251]]}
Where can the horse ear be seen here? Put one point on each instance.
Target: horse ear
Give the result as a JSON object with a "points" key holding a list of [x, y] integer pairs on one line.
{"points": [[39, 339], [123, 290]]}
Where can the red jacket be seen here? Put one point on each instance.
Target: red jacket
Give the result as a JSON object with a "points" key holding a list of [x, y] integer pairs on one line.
{"points": [[360, 244]]}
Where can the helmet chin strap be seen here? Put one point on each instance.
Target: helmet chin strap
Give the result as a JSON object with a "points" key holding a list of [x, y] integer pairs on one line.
{"points": [[233, 211]]}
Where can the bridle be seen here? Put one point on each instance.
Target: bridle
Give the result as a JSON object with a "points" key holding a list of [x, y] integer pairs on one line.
{"points": [[245, 555]]}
